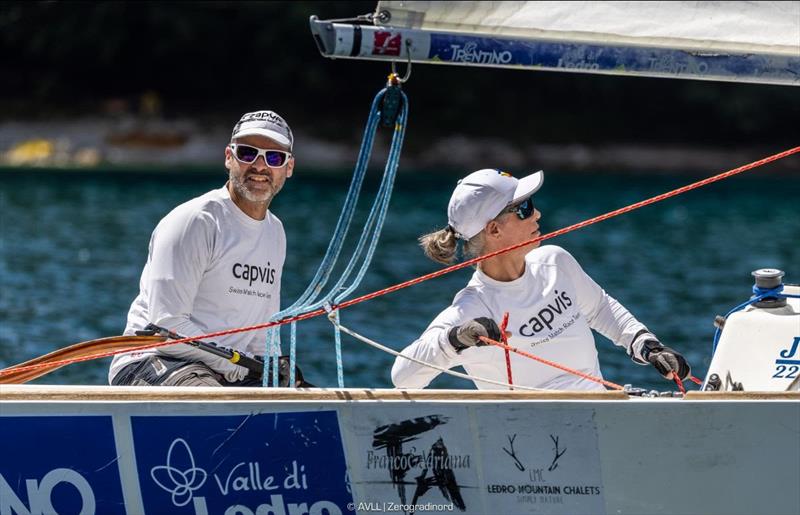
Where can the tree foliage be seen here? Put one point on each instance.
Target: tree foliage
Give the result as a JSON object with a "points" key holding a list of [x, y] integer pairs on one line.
{"points": [[215, 58]]}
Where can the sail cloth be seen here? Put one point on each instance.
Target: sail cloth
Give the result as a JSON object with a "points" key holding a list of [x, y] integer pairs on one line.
{"points": [[731, 41]]}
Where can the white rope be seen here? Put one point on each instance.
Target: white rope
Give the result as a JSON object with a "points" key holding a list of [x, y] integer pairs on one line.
{"points": [[431, 365]]}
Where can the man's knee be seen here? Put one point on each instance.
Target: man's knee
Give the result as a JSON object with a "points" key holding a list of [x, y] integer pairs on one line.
{"points": [[166, 371], [192, 374]]}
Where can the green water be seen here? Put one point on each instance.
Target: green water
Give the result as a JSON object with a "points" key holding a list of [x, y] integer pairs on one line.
{"points": [[73, 246]]}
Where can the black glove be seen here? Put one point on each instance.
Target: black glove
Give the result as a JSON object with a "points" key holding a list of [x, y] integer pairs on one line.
{"points": [[665, 360], [467, 334], [254, 378]]}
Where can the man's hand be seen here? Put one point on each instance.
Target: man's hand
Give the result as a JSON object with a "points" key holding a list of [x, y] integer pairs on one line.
{"points": [[232, 372], [468, 334], [667, 361]]}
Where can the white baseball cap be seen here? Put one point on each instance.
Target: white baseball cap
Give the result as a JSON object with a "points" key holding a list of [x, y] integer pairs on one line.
{"points": [[264, 123], [482, 195]]}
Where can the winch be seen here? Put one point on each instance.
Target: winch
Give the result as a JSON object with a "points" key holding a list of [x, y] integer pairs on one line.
{"points": [[758, 342]]}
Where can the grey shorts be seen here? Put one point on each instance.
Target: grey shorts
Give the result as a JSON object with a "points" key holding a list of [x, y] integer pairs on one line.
{"points": [[165, 371], [159, 370]]}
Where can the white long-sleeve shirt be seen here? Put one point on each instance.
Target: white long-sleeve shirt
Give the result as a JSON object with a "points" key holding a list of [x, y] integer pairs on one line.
{"points": [[210, 267], [552, 308]]}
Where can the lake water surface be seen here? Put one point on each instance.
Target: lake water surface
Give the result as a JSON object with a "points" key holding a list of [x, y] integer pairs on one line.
{"points": [[73, 245]]}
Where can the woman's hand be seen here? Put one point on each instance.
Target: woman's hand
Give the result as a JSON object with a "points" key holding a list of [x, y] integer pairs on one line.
{"points": [[667, 361], [468, 334]]}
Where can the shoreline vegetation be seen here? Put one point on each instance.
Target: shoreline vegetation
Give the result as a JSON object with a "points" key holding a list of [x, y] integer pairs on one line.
{"points": [[169, 80], [157, 145]]}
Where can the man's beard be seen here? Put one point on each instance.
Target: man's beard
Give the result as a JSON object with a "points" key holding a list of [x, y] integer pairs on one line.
{"points": [[239, 186]]}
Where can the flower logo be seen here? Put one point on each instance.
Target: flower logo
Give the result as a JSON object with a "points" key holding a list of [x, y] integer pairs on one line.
{"points": [[180, 483]]}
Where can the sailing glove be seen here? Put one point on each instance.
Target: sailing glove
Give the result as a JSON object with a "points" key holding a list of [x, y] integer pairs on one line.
{"points": [[665, 360], [468, 334], [230, 371]]}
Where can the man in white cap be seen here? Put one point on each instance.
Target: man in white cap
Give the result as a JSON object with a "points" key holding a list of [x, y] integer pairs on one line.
{"points": [[552, 303], [215, 263]]}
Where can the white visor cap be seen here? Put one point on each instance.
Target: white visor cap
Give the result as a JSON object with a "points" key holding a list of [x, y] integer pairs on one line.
{"points": [[264, 123], [482, 195]]}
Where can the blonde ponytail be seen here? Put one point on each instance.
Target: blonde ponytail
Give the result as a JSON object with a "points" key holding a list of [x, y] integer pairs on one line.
{"points": [[440, 246]]}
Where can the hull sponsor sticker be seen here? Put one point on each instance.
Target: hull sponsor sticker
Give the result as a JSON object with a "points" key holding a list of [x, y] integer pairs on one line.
{"points": [[413, 460], [386, 43], [548, 463], [245, 464], [59, 464]]}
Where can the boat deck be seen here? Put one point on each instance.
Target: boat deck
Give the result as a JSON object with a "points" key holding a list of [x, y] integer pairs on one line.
{"points": [[146, 393]]}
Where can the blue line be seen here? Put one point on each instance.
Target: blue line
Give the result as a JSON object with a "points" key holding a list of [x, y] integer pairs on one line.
{"points": [[787, 361]]}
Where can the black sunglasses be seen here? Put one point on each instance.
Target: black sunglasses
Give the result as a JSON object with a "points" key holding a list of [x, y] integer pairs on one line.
{"points": [[523, 210], [248, 154]]}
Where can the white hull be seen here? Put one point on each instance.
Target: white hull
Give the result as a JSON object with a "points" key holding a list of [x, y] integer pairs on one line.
{"points": [[226, 451]]}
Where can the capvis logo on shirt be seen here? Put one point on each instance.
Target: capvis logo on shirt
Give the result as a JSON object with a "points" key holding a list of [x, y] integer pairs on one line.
{"points": [[545, 317], [254, 273]]}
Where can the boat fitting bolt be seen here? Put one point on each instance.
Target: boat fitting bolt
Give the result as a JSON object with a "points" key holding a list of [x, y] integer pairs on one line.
{"points": [[714, 383]]}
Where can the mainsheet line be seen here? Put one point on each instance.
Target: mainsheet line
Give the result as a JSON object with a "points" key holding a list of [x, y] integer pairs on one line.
{"points": [[553, 364]]}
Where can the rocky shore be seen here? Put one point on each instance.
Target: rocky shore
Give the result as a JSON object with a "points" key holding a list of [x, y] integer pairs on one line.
{"points": [[133, 142]]}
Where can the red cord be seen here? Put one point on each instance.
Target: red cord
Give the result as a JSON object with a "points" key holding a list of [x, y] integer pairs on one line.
{"points": [[504, 337], [438, 273], [678, 382], [554, 364]]}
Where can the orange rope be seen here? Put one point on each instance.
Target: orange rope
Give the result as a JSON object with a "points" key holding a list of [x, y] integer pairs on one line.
{"points": [[503, 337], [438, 273], [680, 383], [613, 386]]}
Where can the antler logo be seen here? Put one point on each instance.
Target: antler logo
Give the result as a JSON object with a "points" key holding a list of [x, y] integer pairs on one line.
{"points": [[181, 483]]}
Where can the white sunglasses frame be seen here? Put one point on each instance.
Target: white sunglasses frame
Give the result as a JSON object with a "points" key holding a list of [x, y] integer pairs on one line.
{"points": [[262, 152]]}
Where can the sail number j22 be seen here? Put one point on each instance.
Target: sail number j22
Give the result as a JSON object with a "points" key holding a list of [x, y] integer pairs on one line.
{"points": [[786, 367]]}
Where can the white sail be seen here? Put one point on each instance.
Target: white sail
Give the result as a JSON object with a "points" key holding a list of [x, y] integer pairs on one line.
{"points": [[758, 27]]}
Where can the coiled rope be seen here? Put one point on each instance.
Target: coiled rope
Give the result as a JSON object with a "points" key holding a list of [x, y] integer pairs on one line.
{"points": [[399, 286], [313, 298]]}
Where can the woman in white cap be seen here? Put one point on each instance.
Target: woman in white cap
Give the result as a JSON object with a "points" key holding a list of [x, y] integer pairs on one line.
{"points": [[552, 303]]}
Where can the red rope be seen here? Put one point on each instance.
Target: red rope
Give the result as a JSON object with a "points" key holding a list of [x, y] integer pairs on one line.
{"points": [[559, 366], [680, 383], [438, 273], [504, 337]]}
